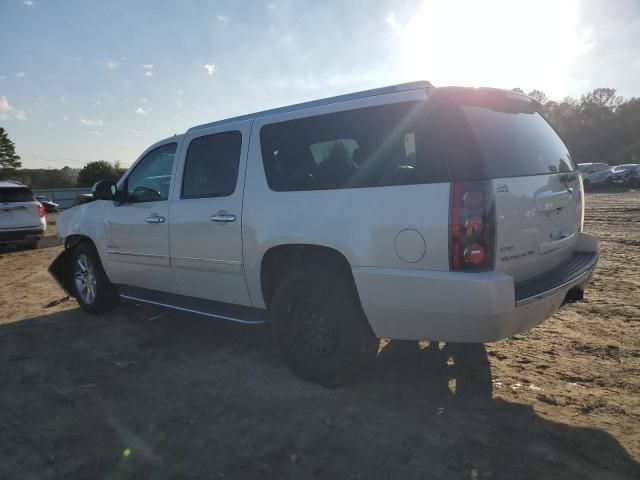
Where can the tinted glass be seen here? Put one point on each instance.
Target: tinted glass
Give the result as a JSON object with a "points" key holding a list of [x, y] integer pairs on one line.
{"points": [[211, 167], [493, 135], [394, 144], [151, 179], [16, 195]]}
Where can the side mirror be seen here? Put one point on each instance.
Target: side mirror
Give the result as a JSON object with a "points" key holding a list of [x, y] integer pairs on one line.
{"points": [[104, 190]]}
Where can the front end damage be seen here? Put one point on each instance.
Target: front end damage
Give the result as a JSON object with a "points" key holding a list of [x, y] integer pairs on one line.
{"points": [[60, 270]]}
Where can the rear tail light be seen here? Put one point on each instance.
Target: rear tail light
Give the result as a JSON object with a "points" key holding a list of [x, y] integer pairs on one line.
{"points": [[472, 226], [41, 210]]}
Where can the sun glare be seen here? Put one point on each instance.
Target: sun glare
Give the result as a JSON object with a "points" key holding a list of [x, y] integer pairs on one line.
{"points": [[496, 43]]}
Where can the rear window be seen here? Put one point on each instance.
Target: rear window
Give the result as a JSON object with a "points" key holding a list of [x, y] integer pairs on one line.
{"points": [[456, 135], [16, 195], [493, 135]]}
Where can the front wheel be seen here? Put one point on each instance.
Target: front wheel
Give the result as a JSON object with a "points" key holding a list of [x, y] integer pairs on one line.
{"points": [[91, 287], [320, 328]]}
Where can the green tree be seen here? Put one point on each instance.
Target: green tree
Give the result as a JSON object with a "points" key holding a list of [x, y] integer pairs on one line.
{"points": [[95, 171], [9, 160], [539, 96]]}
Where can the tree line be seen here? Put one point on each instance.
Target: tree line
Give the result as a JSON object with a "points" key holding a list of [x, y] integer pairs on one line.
{"points": [[601, 126]]}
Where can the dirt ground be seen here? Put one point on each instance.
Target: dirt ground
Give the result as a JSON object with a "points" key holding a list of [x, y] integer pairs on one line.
{"points": [[143, 393]]}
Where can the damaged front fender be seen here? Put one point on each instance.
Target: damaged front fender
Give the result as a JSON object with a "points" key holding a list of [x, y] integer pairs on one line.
{"points": [[60, 270]]}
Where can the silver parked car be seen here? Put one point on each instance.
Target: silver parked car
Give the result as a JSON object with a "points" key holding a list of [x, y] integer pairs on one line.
{"points": [[594, 174]]}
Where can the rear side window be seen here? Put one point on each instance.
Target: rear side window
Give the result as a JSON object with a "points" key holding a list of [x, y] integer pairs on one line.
{"points": [[492, 135], [16, 195], [211, 167], [394, 144]]}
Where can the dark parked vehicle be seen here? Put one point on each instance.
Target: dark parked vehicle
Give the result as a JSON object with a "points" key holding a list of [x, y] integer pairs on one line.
{"points": [[49, 206], [619, 173], [632, 177]]}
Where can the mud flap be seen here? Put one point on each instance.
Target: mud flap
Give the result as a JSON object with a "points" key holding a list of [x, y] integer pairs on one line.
{"points": [[60, 270]]}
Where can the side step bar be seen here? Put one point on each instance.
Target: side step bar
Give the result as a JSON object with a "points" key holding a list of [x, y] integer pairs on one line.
{"points": [[197, 306]]}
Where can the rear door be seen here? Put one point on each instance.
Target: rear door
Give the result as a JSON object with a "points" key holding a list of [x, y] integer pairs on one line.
{"points": [[538, 195], [18, 209], [206, 215]]}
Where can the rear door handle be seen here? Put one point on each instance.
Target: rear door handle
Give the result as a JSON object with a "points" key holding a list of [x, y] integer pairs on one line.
{"points": [[223, 217], [154, 219]]}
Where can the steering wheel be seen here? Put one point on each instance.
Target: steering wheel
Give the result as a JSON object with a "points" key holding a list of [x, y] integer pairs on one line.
{"points": [[145, 193]]}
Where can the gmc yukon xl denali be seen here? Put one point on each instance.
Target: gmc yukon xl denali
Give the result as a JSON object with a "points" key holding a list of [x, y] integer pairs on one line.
{"points": [[406, 212]]}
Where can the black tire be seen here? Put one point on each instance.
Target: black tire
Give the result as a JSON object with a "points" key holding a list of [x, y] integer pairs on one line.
{"points": [[105, 297], [319, 326]]}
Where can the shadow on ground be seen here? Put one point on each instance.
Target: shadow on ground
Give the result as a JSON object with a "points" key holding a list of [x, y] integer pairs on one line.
{"points": [[142, 393]]}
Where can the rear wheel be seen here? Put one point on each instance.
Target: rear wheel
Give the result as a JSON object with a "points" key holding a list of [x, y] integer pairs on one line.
{"points": [[91, 287], [320, 328]]}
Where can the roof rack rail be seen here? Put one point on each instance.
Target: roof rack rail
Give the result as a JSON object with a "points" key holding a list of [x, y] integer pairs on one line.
{"points": [[402, 87]]}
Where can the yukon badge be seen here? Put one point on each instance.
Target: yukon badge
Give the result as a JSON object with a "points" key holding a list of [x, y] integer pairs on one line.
{"points": [[502, 188]]}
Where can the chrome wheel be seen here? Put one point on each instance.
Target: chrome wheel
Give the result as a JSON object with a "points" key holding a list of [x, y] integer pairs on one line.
{"points": [[84, 277]]}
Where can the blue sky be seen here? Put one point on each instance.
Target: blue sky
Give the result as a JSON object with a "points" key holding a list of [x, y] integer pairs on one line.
{"points": [[88, 80]]}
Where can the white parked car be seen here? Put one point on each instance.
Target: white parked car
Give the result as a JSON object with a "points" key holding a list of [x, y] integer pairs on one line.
{"points": [[594, 174], [22, 217], [407, 212]]}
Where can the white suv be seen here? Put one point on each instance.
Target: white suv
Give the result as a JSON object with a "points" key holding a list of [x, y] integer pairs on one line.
{"points": [[407, 212], [22, 217]]}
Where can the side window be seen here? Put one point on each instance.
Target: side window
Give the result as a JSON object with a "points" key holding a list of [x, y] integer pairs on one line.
{"points": [[151, 179], [394, 144], [211, 166]]}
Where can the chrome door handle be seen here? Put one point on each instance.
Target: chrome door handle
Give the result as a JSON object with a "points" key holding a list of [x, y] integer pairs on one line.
{"points": [[154, 219], [223, 217]]}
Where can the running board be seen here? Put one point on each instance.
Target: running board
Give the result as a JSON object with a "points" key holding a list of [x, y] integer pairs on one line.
{"points": [[197, 306]]}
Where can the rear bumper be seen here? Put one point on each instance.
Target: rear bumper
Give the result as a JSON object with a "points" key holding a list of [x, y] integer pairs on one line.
{"points": [[468, 307], [22, 235]]}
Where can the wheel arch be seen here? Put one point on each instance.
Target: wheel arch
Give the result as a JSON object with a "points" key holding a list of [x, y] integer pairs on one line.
{"points": [[280, 260]]}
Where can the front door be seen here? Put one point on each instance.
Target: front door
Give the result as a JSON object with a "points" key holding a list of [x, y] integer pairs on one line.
{"points": [[136, 231], [205, 224]]}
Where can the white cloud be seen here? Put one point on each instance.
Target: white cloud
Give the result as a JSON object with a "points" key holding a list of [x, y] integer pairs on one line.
{"points": [[222, 18], [179, 92], [144, 100], [3, 77], [50, 124], [95, 132], [147, 66], [65, 118], [28, 3], [133, 132], [393, 23], [141, 111], [111, 65], [7, 112], [148, 74], [21, 75], [210, 68], [92, 123]]}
